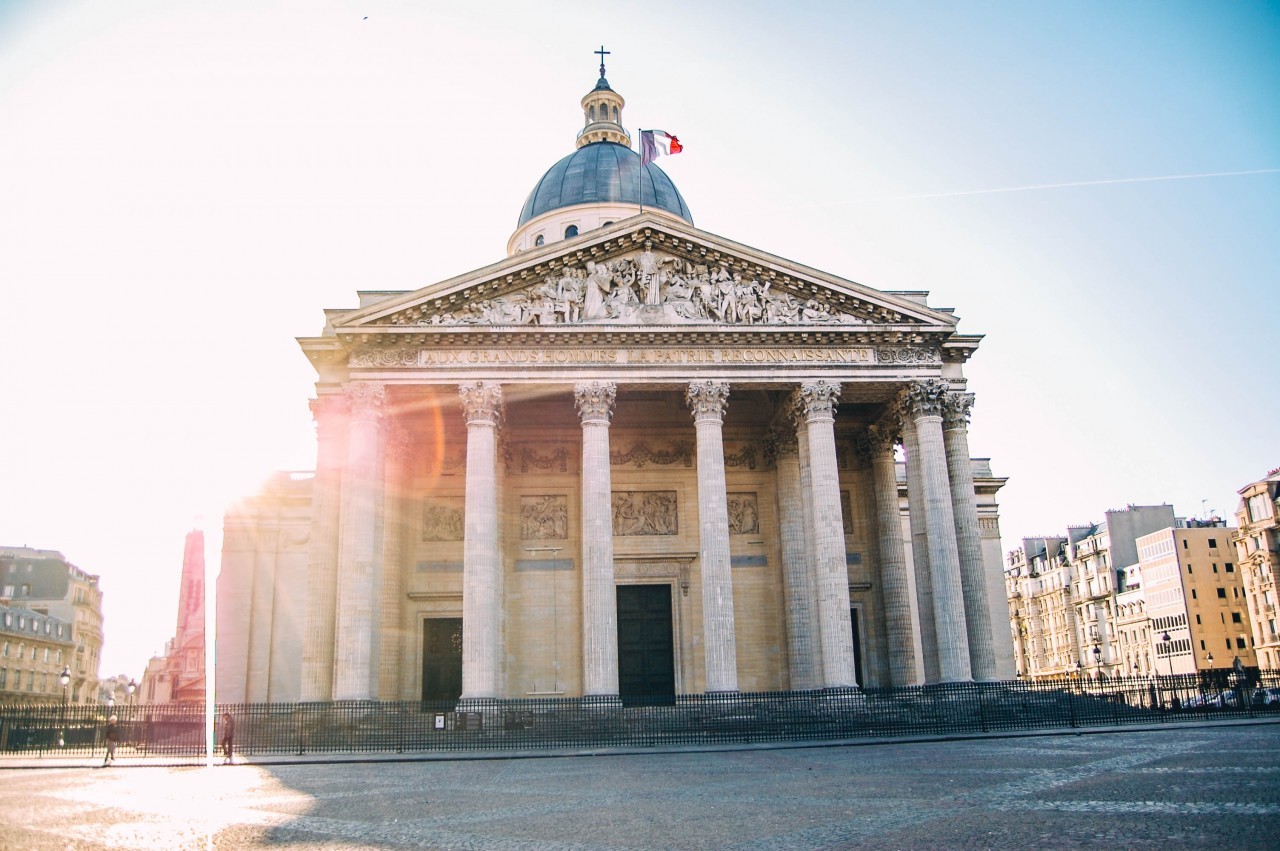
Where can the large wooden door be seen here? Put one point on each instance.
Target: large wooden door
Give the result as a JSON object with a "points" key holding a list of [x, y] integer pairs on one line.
{"points": [[857, 648], [646, 646], [441, 659]]}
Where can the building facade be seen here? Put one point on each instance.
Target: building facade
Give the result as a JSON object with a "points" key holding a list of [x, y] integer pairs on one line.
{"points": [[44, 581], [1257, 543], [34, 650], [179, 675], [633, 458], [1141, 594]]}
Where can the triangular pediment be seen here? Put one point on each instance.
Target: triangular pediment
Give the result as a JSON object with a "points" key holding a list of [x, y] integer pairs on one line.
{"points": [[646, 273]]}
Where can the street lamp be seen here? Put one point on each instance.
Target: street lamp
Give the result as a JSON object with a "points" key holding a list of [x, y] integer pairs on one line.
{"points": [[65, 679], [131, 688], [1097, 657]]}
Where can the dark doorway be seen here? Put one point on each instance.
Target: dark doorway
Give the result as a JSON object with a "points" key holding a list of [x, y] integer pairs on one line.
{"points": [[646, 649], [441, 659], [857, 649]]}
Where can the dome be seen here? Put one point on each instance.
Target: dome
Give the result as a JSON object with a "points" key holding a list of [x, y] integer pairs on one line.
{"points": [[603, 173]]}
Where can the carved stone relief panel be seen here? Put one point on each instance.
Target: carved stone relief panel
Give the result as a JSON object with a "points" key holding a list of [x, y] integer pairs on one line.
{"points": [[640, 454], [744, 514], [442, 519], [544, 517], [743, 456], [846, 512], [538, 458], [442, 460], [645, 513]]}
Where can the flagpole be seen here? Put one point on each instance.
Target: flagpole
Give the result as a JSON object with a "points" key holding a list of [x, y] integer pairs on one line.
{"points": [[641, 180]]}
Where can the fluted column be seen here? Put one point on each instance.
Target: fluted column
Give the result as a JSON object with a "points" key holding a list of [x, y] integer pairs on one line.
{"points": [[894, 580], [360, 546], [817, 405], [595, 402], [924, 400], [796, 587], [390, 619], [920, 552], [481, 560], [707, 399], [964, 507], [322, 559]]}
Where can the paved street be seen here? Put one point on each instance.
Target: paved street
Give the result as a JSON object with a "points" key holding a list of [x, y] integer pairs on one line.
{"points": [[1206, 787]]}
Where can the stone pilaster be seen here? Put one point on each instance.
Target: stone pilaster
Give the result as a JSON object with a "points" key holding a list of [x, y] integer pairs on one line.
{"points": [[920, 553], [964, 505], [595, 402], [707, 400], [390, 646], [797, 589], [481, 558], [894, 580], [924, 402], [816, 401], [322, 560], [360, 546]]}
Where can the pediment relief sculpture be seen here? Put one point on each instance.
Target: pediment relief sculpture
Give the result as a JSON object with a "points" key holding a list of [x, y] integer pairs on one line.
{"points": [[644, 288]]}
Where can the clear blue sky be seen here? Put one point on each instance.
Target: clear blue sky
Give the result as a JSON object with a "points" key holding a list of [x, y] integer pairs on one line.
{"points": [[185, 186]]}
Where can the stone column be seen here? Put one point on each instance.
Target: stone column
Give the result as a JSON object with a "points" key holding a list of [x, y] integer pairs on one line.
{"points": [[920, 553], [322, 560], [894, 581], [964, 507], [390, 646], [481, 559], [360, 546], [810, 557], [707, 400], [817, 405], [595, 402], [797, 589], [924, 399]]}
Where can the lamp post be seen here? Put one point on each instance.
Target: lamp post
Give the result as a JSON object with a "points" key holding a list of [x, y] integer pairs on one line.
{"points": [[1164, 639], [1097, 660], [65, 679], [131, 688]]}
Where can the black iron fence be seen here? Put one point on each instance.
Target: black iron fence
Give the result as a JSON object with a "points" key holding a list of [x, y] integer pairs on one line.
{"points": [[179, 731]]}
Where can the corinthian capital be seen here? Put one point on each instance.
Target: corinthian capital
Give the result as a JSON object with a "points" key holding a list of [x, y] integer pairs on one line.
{"points": [[481, 402], [924, 398], [955, 409], [707, 399], [882, 436], [594, 400], [365, 399], [816, 400]]}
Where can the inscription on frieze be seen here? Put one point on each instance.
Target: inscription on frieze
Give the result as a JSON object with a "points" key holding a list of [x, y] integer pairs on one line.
{"points": [[442, 519], [645, 513], [624, 356]]}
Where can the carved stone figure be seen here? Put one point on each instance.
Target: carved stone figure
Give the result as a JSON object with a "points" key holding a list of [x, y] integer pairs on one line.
{"points": [[442, 520], [744, 515], [544, 518]]}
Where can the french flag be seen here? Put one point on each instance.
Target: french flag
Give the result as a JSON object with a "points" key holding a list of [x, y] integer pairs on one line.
{"points": [[657, 143]]}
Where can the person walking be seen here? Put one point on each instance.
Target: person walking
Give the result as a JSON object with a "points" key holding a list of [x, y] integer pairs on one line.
{"points": [[228, 736], [111, 737]]}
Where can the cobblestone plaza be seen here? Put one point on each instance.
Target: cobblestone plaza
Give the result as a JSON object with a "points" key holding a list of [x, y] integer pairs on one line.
{"points": [[1207, 787]]}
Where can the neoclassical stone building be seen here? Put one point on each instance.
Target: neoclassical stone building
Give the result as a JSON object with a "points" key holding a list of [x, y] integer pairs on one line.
{"points": [[633, 458]]}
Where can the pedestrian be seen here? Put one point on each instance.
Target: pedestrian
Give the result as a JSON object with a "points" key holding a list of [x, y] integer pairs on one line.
{"points": [[228, 735], [111, 736]]}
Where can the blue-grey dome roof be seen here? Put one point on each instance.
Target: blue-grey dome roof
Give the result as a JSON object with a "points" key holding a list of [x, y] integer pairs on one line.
{"points": [[602, 173]]}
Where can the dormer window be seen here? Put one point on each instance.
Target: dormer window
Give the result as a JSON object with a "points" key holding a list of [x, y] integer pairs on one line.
{"points": [[571, 231], [539, 240]]}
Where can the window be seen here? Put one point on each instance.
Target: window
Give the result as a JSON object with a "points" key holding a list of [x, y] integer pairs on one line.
{"points": [[1194, 595], [571, 231], [591, 113], [1240, 645], [1259, 507], [33, 653], [17, 679], [1184, 543], [1222, 593], [1197, 619], [1235, 617], [1231, 568], [4, 677], [1213, 543], [615, 115], [1188, 569], [1215, 567], [539, 240]]}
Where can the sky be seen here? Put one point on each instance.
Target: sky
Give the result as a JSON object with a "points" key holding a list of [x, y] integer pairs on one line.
{"points": [[185, 186]]}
